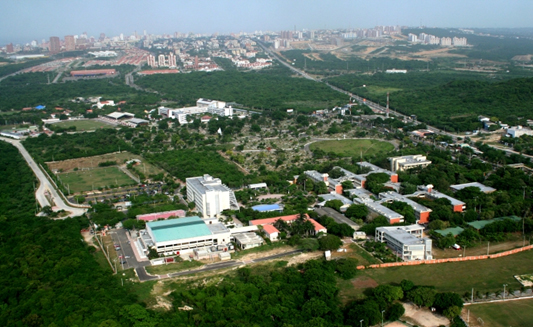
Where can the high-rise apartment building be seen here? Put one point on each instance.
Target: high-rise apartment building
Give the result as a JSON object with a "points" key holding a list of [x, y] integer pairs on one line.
{"points": [[9, 48], [55, 45], [70, 43]]}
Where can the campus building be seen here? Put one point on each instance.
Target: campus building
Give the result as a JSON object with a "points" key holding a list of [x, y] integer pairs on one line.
{"points": [[203, 106], [210, 196], [406, 241], [408, 162], [421, 212], [429, 192], [273, 233], [183, 235]]}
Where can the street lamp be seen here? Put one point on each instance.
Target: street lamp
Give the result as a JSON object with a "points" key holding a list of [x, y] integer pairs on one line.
{"points": [[382, 317], [504, 291], [361, 322]]}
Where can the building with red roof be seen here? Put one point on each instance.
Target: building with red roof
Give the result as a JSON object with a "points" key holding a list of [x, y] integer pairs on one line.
{"points": [[272, 231]]}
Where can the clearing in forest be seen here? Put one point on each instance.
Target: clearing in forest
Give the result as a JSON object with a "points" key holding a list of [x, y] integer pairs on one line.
{"points": [[92, 179], [353, 148]]}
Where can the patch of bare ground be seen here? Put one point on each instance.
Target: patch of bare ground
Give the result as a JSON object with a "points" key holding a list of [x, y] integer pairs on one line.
{"points": [[395, 324], [364, 282], [270, 196], [257, 255], [161, 297], [303, 257], [89, 239], [423, 316]]}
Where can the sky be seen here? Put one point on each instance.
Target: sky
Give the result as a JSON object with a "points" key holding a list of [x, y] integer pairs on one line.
{"points": [[24, 20]]}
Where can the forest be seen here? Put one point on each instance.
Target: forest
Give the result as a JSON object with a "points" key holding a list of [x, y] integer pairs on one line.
{"points": [[69, 146], [259, 90], [331, 62], [194, 162], [454, 105]]}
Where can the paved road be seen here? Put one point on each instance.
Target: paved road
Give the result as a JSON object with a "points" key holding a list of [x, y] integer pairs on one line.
{"points": [[45, 185]]}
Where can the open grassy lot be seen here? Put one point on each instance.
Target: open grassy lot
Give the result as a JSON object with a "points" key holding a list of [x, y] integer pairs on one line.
{"points": [[173, 267], [510, 313], [86, 180], [92, 162], [353, 148], [460, 277], [83, 125]]}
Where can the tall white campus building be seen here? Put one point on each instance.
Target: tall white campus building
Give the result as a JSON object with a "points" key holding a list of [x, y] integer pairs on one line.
{"points": [[210, 196]]}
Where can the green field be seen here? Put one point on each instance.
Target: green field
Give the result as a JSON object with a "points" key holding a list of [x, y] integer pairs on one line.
{"points": [[83, 125], [353, 148], [460, 277], [511, 313], [87, 180]]}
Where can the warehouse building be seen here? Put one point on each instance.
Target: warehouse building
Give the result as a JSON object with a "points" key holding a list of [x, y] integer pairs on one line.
{"points": [[210, 196], [406, 241], [183, 235]]}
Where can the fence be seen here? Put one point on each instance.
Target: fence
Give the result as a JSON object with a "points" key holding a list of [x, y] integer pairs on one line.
{"points": [[435, 261]]}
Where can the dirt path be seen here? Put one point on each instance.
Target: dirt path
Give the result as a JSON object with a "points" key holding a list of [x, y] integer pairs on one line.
{"points": [[89, 239], [424, 317]]}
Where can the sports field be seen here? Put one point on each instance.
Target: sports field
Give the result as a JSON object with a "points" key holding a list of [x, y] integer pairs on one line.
{"points": [[502, 314], [87, 180], [83, 125], [353, 148]]}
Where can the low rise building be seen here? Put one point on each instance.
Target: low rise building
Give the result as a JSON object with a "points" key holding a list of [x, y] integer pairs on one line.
{"points": [[408, 162], [481, 187], [334, 196], [406, 241], [289, 220], [377, 209], [421, 212], [248, 240], [429, 192], [183, 235]]}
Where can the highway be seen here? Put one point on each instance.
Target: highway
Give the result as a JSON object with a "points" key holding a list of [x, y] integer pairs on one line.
{"points": [[359, 99], [44, 184]]}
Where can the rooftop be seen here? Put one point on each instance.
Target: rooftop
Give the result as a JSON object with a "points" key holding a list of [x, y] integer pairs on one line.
{"points": [[267, 207], [167, 230], [479, 224], [453, 230], [248, 238], [482, 188], [390, 195]]}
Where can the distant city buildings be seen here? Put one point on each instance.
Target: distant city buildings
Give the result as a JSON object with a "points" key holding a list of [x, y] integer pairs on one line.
{"points": [[70, 43], [55, 45], [434, 40]]}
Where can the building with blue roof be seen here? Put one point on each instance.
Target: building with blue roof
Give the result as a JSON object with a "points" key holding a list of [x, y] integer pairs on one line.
{"points": [[268, 207], [40, 107], [184, 235]]}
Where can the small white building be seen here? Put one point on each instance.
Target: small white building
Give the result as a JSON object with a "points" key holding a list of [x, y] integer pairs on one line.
{"points": [[248, 240], [408, 162], [406, 241]]}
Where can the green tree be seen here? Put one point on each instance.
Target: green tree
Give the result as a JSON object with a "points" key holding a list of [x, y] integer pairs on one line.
{"points": [[329, 242], [388, 293], [395, 311], [335, 204], [357, 211], [422, 296]]}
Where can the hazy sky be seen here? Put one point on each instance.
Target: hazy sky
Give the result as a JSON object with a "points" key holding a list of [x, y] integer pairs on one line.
{"points": [[24, 20]]}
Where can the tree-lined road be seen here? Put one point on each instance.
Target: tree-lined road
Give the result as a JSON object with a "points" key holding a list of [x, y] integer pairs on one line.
{"points": [[44, 184]]}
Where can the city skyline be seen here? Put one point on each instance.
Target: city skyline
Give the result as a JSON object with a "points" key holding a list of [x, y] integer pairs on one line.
{"points": [[25, 21]]}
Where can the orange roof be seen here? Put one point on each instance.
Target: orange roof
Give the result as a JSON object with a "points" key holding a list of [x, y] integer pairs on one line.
{"points": [[289, 219], [270, 229]]}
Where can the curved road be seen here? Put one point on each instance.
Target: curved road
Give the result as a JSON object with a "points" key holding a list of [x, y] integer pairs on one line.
{"points": [[44, 184]]}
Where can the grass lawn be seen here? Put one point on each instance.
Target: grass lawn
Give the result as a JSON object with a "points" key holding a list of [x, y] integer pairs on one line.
{"points": [[511, 313], [86, 180], [173, 267], [353, 148], [460, 277], [83, 125]]}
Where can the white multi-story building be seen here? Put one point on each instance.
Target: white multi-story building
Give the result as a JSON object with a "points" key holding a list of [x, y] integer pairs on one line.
{"points": [[406, 241], [459, 41], [408, 162], [413, 38], [202, 106], [210, 196], [446, 41]]}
